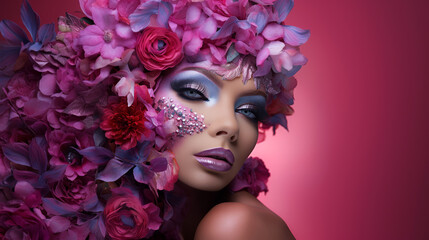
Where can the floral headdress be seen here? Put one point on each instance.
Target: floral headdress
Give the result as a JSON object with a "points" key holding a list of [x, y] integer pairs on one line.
{"points": [[84, 150]]}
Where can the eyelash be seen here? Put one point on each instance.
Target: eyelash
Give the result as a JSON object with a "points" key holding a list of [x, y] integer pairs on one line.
{"points": [[250, 111], [193, 92]]}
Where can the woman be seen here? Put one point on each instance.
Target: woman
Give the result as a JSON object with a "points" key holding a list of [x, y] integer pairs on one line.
{"points": [[97, 121]]}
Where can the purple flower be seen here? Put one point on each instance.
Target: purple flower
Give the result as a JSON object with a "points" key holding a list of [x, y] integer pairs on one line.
{"points": [[108, 36], [17, 221], [79, 193], [252, 177], [62, 144]]}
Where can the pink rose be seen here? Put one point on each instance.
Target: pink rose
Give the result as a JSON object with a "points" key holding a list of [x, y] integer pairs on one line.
{"points": [[126, 218], [159, 48]]}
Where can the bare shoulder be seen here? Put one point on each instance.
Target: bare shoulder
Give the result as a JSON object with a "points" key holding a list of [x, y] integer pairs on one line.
{"points": [[245, 218]]}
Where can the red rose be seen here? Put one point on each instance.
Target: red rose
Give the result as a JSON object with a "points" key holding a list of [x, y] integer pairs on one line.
{"points": [[124, 124], [126, 218], [159, 48]]}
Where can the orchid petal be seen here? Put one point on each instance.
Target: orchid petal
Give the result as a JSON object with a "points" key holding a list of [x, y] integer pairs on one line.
{"points": [[259, 16], [30, 19], [275, 47], [123, 31], [208, 28], [193, 14], [262, 55], [226, 29], [114, 170], [164, 12], [13, 33], [273, 31], [295, 36], [47, 84], [140, 18], [104, 18], [283, 7]]}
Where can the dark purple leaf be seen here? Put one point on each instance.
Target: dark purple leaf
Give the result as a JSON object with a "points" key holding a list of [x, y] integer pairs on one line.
{"points": [[98, 155], [17, 153], [283, 8], [159, 164], [295, 36], [13, 33], [114, 170], [8, 55], [93, 205], [30, 19], [140, 18], [55, 174], [259, 18], [226, 28], [55, 207], [46, 33], [37, 156], [231, 54], [31, 177], [164, 12], [142, 174]]}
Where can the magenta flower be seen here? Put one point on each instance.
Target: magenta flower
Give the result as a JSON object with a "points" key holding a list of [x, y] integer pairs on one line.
{"points": [[79, 193], [108, 37], [17, 221], [62, 144], [126, 218], [252, 177]]}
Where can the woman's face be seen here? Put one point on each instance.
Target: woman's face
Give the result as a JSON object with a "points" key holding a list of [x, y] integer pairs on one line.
{"points": [[209, 160]]}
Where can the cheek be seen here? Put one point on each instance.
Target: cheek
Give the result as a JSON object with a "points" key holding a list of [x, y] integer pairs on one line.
{"points": [[187, 121]]}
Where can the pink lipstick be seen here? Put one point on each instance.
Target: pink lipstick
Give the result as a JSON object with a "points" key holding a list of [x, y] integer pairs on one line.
{"points": [[217, 159]]}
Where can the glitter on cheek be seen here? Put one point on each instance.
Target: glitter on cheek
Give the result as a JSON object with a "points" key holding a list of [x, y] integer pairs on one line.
{"points": [[187, 121]]}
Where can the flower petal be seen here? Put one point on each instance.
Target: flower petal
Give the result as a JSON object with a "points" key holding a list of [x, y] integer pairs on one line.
{"points": [[193, 14], [114, 170], [30, 19]]}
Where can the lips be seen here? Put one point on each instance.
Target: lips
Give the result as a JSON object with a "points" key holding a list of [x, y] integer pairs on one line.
{"points": [[218, 159]]}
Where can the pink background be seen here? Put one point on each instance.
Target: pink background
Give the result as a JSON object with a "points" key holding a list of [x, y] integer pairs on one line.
{"points": [[355, 164]]}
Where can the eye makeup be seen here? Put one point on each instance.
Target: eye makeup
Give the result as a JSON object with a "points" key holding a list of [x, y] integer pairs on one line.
{"points": [[252, 107], [194, 85]]}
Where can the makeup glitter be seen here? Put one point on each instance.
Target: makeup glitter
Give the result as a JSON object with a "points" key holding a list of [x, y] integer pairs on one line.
{"points": [[187, 121]]}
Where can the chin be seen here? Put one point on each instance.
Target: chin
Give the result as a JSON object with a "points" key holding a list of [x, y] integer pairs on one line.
{"points": [[204, 180]]}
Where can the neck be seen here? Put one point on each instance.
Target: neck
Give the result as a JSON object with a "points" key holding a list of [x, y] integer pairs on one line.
{"points": [[198, 204]]}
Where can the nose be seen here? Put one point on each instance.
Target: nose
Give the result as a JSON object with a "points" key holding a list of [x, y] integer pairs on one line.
{"points": [[224, 124]]}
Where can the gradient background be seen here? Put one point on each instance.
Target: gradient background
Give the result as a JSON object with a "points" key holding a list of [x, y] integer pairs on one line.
{"points": [[355, 164]]}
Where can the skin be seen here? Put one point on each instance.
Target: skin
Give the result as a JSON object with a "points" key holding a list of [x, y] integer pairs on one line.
{"points": [[229, 110]]}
